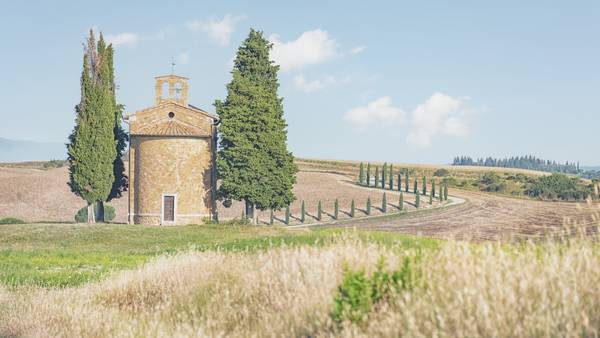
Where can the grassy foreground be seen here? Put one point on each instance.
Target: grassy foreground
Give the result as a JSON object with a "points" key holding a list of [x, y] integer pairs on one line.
{"points": [[62, 255], [458, 289]]}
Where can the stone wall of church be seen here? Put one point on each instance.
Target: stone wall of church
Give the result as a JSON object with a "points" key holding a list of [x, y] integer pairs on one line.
{"points": [[179, 166]]}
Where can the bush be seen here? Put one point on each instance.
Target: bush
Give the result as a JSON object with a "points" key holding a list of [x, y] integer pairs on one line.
{"points": [[441, 173], [358, 293], [109, 214], [558, 186], [11, 220]]}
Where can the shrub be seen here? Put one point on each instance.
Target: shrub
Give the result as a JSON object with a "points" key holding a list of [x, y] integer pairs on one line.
{"points": [[441, 173], [558, 186], [11, 220], [109, 214], [358, 293]]}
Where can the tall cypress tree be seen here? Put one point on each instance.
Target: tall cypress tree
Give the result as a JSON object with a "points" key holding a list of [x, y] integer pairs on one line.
{"points": [[406, 181], [361, 173], [424, 186], [92, 146], [399, 182], [376, 176], [391, 183], [121, 180], [253, 162], [384, 176], [368, 174], [415, 188], [433, 187]]}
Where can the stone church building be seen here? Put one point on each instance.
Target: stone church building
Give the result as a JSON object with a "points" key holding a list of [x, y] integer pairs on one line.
{"points": [[171, 158]]}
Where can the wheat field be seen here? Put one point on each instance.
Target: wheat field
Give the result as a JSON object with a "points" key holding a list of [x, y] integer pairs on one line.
{"points": [[491, 289]]}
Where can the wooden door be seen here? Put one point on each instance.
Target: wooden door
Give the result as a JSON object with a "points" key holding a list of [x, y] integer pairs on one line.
{"points": [[169, 208]]}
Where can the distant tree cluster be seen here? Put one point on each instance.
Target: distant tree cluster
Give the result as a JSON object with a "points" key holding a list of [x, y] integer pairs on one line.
{"points": [[522, 162]]}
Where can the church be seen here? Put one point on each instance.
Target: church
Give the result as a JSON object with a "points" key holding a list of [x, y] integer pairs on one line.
{"points": [[172, 151]]}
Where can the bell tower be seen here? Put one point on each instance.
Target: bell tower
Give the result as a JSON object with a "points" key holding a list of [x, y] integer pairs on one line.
{"points": [[171, 88]]}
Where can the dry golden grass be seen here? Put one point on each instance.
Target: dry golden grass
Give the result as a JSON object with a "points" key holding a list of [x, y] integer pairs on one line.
{"points": [[547, 289]]}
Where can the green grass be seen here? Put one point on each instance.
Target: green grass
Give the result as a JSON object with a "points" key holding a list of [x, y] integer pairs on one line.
{"points": [[63, 255]]}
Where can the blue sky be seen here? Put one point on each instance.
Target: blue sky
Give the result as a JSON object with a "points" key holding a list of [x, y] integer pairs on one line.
{"points": [[403, 81]]}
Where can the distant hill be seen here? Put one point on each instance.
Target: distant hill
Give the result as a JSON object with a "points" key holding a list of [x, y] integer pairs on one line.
{"points": [[19, 151]]}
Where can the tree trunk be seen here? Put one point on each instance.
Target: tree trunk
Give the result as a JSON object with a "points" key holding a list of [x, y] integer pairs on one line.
{"points": [[100, 213], [249, 210], [90, 214]]}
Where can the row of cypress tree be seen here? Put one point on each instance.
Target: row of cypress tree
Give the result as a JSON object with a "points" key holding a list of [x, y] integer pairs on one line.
{"points": [[386, 179], [97, 142]]}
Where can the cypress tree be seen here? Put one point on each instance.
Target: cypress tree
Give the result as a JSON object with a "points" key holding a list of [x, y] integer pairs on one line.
{"points": [[352, 209], [302, 212], [424, 186], [399, 182], [445, 191], [92, 148], [319, 211], [287, 215], [430, 199], [368, 205], [384, 203], [336, 209], [384, 176], [401, 202], [271, 217], [433, 187], [391, 183], [253, 163], [361, 174], [406, 181], [415, 188], [368, 174], [376, 176], [121, 180], [418, 200]]}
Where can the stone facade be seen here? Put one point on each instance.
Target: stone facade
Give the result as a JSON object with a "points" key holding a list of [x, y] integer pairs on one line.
{"points": [[171, 158]]}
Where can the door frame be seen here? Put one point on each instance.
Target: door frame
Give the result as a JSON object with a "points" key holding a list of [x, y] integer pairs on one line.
{"points": [[162, 209]]}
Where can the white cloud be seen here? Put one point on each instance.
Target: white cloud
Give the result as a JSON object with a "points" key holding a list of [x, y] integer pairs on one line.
{"points": [[218, 30], [357, 49], [380, 113], [183, 58], [315, 85], [439, 114], [311, 47], [123, 39]]}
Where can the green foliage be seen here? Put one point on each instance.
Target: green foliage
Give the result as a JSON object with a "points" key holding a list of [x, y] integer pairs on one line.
{"points": [[384, 176], [445, 192], [319, 211], [424, 186], [384, 203], [415, 187], [401, 202], [441, 173], [430, 198], [359, 294], [391, 179], [92, 147], [302, 212], [53, 164], [376, 176], [271, 217], [336, 209], [559, 186], [368, 174], [399, 182], [418, 200], [361, 174], [406, 181], [11, 220], [253, 161], [368, 205], [352, 209], [109, 213], [433, 188], [287, 215]]}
